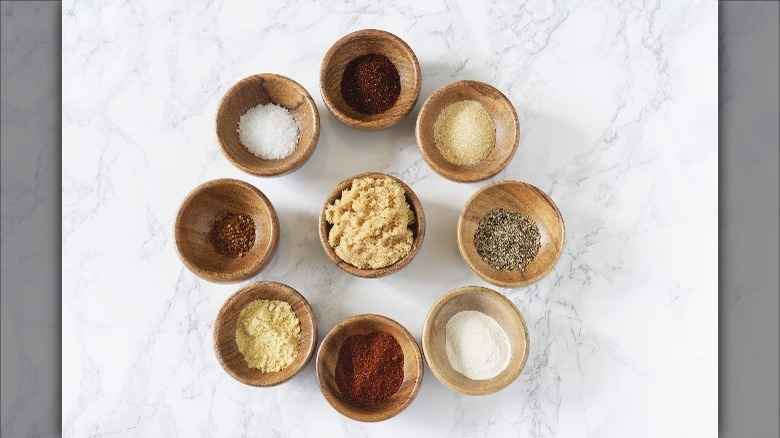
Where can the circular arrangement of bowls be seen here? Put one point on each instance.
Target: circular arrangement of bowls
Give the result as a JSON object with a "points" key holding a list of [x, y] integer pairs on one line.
{"points": [[327, 356], [418, 229], [492, 304], [225, 346], [206, 204], [364, 42], [522, 198], [501, 111], [263, 89], [210, 201]]}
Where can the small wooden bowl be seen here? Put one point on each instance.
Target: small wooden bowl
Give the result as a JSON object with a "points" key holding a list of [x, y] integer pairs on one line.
{"points": [[207, 203], [263, 89], [418, 229], [364, 42], [225, 346], [504, 118], [328, 354], [522, 198], [490, 303]]}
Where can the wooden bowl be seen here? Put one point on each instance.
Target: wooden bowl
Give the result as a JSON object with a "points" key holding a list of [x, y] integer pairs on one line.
{"points": [[496, 306], [207, 203], [264, 89], [525, 199], [504, 118], [225, 346], [418, 229], [364, 42], [328, 355]]}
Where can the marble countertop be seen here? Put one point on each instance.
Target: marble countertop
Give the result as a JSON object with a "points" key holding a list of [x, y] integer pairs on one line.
{"points": [[618, 109]]}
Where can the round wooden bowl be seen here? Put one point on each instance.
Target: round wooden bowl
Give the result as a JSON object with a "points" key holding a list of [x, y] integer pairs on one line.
{"points": [[328, 354], [364, 42], [225, 346], [264, 89], [504, 118], [496, 306], [522, 198], [418, 229], [207, 203]]}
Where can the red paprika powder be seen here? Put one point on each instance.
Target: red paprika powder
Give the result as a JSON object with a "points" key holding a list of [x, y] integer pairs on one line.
{"points": [[370, 368]]}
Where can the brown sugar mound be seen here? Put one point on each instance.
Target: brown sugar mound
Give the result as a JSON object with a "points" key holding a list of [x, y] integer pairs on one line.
{"points": [[371, 223]]}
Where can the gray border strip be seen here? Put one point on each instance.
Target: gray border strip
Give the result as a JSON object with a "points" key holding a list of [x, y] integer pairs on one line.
{"points": [[30, 198], [749, 216]]}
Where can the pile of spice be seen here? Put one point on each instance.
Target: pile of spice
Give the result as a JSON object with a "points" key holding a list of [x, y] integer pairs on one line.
{"points": [[369, 368], [267, 334], [507, 240], [464, 132], [370, 84], [268, 131], [476, 345], [232, 235], [371, 223]]}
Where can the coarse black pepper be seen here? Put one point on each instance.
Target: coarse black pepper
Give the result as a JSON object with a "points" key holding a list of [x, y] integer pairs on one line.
{"points": [[507, 240], [232, 235]]}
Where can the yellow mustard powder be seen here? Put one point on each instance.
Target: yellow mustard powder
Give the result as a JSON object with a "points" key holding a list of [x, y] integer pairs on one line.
{"points": [[371, 223], [268, 333]]}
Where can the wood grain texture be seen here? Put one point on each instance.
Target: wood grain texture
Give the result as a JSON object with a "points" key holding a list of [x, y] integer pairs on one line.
{"points": [[522, 198], [496, 306], [504, 118], [225, 346], [364, 42], [263, 89], [418, 228], [327, 355], [207, 203]]}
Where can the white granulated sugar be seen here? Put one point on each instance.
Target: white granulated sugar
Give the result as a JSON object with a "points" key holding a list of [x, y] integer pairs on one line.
{"points": [[476, 345], [268, 131]]}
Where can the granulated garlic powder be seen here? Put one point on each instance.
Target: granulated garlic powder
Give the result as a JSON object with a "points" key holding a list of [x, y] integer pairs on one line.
{"points": [[371, 223], [464, 133], [267, 334]]}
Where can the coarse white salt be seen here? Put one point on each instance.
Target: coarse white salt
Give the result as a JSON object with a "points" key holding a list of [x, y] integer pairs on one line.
{"points": [[268, 131]]}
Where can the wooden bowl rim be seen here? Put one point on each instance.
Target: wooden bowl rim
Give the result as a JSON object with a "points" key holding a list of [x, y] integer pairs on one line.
{"points": [[384, 121], [282, 165], [471, 173], [260, 262], [521, 282], [427, 334], [260, 287], [407, 339], [419, 217]]}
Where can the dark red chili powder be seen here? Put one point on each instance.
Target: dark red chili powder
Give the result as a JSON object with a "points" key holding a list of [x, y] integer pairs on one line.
{"points": [[370, 84], [370, 368]]}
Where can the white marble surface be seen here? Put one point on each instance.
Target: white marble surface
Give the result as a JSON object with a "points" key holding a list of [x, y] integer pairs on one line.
{"points": [[618, 108]]}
